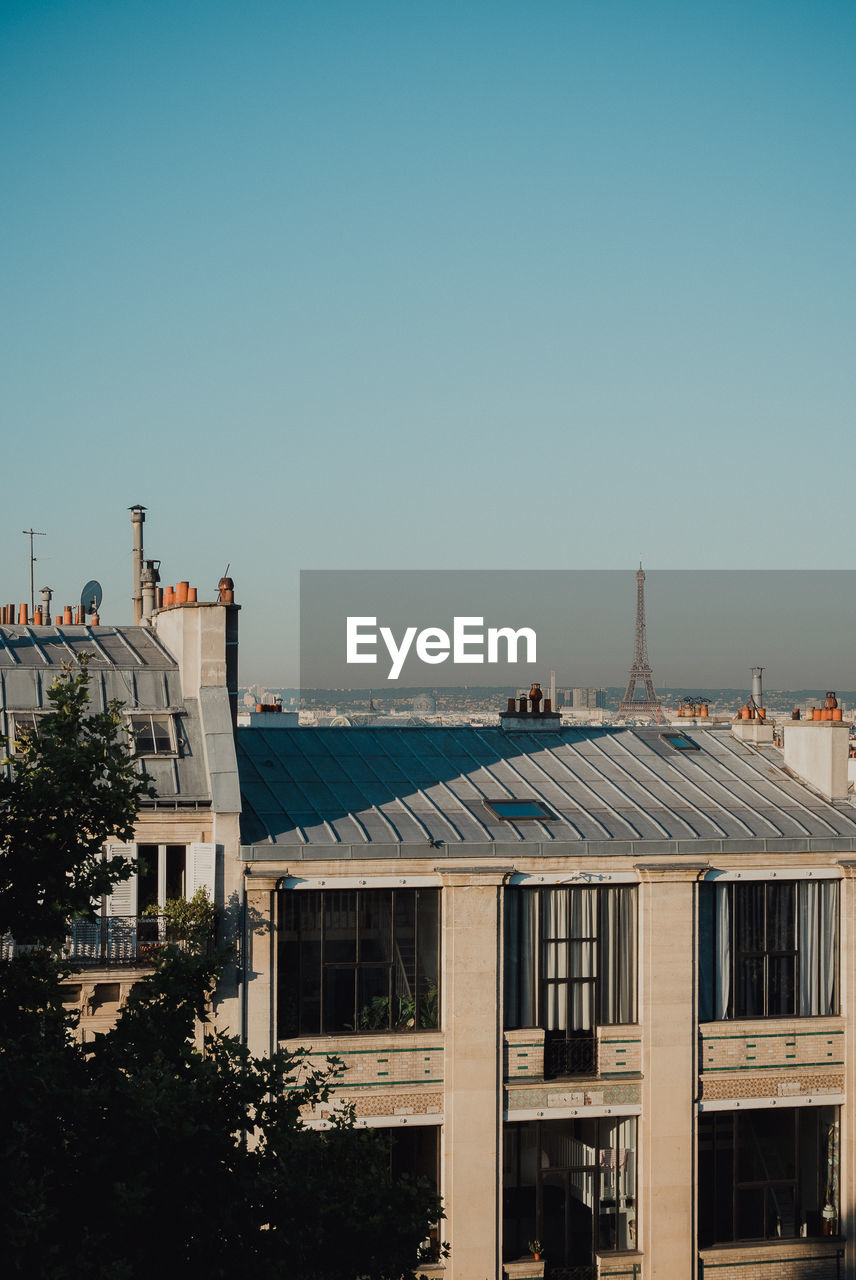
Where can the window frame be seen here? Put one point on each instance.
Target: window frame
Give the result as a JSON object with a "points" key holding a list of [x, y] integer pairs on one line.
{"points": [[164, 719], [719, 1190], [312, 976], [741, 955]]}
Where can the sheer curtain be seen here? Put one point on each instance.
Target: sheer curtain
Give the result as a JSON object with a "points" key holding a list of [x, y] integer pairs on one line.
{"points": [[617, 995], [722, 991], [818, 936]]}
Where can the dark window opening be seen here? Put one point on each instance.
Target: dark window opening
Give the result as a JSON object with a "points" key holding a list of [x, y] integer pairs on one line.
{"points": [[358, 961], [571, 1184], [768, 949], [768, 1174], [153, 735]]}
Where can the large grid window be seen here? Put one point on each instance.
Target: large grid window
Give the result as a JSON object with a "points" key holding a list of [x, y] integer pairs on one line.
{"points": [[768, 1174], [358, 960], [572, 1185], [570, 957], [769, 949]]}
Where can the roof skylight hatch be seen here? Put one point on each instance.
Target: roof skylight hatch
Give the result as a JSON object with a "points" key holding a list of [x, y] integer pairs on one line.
{"points": [[520, 810], [680, 742]]}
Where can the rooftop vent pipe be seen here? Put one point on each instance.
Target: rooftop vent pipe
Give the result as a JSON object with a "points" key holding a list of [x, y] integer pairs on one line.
{"points": [[149, 580], [138, 519], [757, 692]]}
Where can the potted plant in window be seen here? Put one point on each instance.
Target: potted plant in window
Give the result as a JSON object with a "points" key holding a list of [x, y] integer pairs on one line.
{"points": [[536, 1248]]}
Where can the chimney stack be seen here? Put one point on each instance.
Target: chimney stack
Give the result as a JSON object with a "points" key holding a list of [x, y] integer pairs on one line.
{"points": [[149, 579], [138, 519]]}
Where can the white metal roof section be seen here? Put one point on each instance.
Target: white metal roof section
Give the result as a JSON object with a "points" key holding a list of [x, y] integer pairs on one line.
{"points": [[362, 792]]}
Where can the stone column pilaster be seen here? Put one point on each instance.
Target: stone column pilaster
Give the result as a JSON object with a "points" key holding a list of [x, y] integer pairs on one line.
{"points": [[472, 1023], [667, 1012], [259, 982]]}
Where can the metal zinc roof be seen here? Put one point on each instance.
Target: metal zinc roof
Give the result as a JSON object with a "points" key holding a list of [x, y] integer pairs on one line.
{"points": [[125, 663], [394, 786]]}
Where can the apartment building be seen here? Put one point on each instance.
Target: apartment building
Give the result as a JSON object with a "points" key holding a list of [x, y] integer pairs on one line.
{"points": [[598, 983], [600, 977]]}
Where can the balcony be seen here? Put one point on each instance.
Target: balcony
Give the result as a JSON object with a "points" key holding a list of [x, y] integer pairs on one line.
{"points": [[119, 942]]}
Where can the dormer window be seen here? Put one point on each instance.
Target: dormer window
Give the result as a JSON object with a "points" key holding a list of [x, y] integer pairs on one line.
{"points": [[22, 725], [154, 734]]}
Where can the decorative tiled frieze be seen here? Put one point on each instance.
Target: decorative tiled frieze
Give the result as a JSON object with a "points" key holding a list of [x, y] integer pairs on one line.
{"points": [[524, 1054], [776, 1260], [619, 1050], [771, 1042], [371, 1062], [807, 1085], [397, 1106], [554, 1096]]}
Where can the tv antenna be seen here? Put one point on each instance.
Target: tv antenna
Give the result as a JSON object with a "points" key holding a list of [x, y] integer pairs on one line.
{"points": [[32, 533]]}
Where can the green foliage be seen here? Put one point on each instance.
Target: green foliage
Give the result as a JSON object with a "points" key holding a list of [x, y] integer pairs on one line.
{"points": [[138, 1150], [190, 921], [71, 787]]}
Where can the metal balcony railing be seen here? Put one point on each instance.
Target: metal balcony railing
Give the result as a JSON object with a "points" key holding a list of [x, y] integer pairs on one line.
{"points": [[571, 1056], [115, 941]]}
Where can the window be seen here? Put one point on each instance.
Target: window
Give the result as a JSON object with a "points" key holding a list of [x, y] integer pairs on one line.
{"points": [[23, 725], [680, 742], [358, 960], [520, 810], [570, 965], [572, 1185], [769, 949], [154, 735], [767, 1174]]}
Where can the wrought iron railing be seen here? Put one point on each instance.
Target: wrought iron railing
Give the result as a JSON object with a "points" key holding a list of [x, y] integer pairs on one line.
{"points": [[115, 941], [574, 1056]]}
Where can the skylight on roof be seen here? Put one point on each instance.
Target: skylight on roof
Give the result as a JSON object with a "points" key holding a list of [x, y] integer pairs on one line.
{"points": [[680, 742], [520, 810]]}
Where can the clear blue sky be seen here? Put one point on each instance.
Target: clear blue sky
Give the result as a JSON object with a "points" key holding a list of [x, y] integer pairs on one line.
{"points": [[369, 285]]}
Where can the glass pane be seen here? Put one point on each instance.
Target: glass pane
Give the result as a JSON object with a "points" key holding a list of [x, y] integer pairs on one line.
{"points": [[781, 917], [339, 1000], [749, 987], [288, 1002], [373, 1004], [427, 953], [175, 862], [147, 877], [143, 735], [750, 1213], [781, 977], [310, 987], [160, 729], [766, 1146], [340, 927], [375, 915], [749, 917]]}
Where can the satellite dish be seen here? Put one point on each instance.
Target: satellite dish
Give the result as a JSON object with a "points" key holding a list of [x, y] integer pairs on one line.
{"points": [[90, 597]]}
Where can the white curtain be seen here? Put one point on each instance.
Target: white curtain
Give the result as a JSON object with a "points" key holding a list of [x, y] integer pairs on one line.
{"points": [[555, 924], [722, 992], [618, 957], [817, 942]]}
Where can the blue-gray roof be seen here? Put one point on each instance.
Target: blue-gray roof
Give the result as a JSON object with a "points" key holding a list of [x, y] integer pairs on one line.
{"points": [[125, 663], [353, 792]]}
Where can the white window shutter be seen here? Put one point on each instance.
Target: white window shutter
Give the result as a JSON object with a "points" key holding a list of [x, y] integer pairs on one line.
{"points": [[200, 869], [123, 900]]}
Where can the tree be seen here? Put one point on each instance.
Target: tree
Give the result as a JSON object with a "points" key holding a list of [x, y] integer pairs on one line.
{"points": [[138, 1151], [73, 786]]}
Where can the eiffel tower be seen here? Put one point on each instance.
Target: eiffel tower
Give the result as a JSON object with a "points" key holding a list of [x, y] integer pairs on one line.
{"points": [[640, 670]]}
